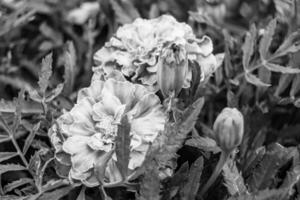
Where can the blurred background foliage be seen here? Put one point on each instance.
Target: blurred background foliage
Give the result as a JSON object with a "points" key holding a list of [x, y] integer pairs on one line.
{"points": [[35, 90]]}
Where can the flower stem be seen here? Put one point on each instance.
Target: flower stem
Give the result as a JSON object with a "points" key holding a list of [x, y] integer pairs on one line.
{"points": [[223, 158]]}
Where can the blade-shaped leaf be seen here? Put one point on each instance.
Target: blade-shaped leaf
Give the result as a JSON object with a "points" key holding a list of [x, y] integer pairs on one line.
{"points": [[255, 81], [13, 185], [70, 68], [100, 166], [123, 146], [295, 85], [266, 39], [56, 194], [273, 159], [234, 181], [290, 45], [284, 82], [55, 92], [248, 46], [190, 189], [7, 155], [278, 68], [125, 11], [27, 107], [45, 73], [11, 167], [30, 137], [81, 195]]}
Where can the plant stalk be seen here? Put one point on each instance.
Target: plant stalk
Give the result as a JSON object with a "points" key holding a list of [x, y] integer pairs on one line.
{"points": [[223, 159]]}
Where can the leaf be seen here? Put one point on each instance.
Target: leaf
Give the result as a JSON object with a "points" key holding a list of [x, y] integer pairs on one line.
{"points": [[122, 141], [278, 68], [248, 46], [268, 194], [295, 86], [266, 39], [190, 189], [81, 195], [150, 184], [7, 155], [53, 184], [284, 82], [56, 194], [4, 138], [45, 73], [178, 179], [234, 181], [255, 81], [290, 45], [11, 186], [17, 118], [30, 137], [124, 11], [12, 197], [100, 166], [273, 159], [11, 167], [55, 92], [27, 107], [204, 143], [70, 68], [172, 138]]}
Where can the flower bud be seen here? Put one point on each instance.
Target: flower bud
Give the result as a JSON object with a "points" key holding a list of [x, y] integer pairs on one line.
{"points": [[229, 129], [172, 69]]}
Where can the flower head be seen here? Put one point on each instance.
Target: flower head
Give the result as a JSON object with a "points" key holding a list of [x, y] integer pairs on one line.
{"points": [[229, 129], [86, 134], [135, 50]]}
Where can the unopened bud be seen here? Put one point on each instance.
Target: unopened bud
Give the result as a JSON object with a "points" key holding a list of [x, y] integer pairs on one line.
{"points": [[172, 70], [229, 129]]}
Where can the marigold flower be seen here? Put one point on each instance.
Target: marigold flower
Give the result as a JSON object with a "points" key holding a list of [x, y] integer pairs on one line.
{"points": [[85, 134], [135, 50], [229, 129]]}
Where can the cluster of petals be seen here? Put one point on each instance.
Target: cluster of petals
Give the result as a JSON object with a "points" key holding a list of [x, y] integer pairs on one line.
{"points": [[135, 50], [84, 136]]}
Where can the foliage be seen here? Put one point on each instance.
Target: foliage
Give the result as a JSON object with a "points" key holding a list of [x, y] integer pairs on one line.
{"points": [[46, 57]]}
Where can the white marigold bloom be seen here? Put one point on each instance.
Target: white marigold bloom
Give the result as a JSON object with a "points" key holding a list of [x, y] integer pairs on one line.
{"points": [[136, 48], [84, 135]]}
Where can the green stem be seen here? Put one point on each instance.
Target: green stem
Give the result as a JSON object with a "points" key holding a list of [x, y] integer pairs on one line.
{"points": [[223, 158]]}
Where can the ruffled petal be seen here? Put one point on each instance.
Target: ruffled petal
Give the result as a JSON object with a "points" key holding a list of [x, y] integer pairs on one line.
{"points": [[82, 156]]}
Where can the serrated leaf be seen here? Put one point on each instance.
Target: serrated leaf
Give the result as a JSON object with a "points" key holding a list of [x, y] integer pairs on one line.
{"points": [[150, 184], [190, 189], [55, 92], [124, 10], [56, 194], [278, 68], [273, 159], [266, 39], [122, 141], [172, 138], [11, 167], [30, 137], [234, 181], [7, 155], [178, 179], [255, 81], [248, 46], [45, 73], [11, 186], [290, 45]]}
